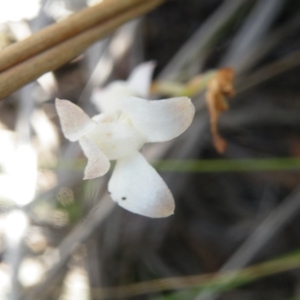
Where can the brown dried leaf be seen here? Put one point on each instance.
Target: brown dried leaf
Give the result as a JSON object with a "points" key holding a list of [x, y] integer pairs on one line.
{"points": [[219, 88]]}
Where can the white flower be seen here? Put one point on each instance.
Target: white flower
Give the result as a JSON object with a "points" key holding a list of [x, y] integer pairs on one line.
{"points": [[119, 134], [137, 84]]}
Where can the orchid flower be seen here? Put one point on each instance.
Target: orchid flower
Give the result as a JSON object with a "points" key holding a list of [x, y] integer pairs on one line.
{"points": [[137, 84], [118, 133]]}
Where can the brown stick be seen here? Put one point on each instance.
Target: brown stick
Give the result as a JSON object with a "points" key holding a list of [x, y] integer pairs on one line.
{"points": [[49, 60], [59, 32]]}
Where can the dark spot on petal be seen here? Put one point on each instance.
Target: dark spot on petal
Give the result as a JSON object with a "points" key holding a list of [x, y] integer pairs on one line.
{"points": [[109, 192], [123, 198]]}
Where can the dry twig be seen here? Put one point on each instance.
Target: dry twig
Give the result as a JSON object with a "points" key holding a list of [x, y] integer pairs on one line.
{"points": [[53, 58], [59, 32]]}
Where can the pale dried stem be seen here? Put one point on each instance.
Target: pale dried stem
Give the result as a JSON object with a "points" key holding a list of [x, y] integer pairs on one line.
{"points": [[59, 32], [53, 58]]}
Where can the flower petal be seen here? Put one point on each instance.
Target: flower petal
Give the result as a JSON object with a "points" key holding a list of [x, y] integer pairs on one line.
{"points": [[160, 120], [107, 99], [116, 140], [140, 79], [98, 164], [74, 121], [137, 187]]}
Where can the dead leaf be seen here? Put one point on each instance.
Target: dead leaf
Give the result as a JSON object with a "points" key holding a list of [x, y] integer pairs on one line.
{"points": [[219, 88]]}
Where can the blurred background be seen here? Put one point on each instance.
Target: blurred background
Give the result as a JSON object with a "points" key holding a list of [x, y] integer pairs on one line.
{"points": [[62, 237]]}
